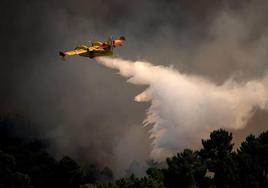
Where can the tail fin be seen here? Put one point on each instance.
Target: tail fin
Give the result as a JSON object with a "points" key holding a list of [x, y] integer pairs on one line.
{"points": [[62, 54], [123, 38]]}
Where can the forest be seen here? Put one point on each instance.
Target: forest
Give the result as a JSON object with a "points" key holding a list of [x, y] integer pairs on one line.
{"points": [[25, 162]]}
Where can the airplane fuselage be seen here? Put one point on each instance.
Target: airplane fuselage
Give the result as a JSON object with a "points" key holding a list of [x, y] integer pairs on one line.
{"points": [[96, 49], [94, 53]]}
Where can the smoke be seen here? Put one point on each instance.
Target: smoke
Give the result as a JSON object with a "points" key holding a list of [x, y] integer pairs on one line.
{"points": [[185, 108], [77, 106]]}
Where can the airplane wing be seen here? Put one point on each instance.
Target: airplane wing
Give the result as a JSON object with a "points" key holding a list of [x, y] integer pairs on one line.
{"points": [[73, 52], [82, 50], [96, 48]]}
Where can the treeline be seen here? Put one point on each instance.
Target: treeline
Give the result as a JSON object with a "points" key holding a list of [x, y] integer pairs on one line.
{"points": [[215, 165], [25, 163]]}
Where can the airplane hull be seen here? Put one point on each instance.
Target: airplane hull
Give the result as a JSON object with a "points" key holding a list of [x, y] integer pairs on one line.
{"points": [[96, 49], [93, 54]]}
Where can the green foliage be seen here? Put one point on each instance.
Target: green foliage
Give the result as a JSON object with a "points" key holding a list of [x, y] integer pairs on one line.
{"points": [[68, 173], [218, 157], [92, 174], [218, 146], [25, 163], [129, 182], [185, 170], [99, 185], [106, 174], [253, 161], [134, 182], [9, 178]]}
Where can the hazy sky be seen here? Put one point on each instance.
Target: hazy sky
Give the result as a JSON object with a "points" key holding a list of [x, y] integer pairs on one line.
{"points": [[88, 111]]}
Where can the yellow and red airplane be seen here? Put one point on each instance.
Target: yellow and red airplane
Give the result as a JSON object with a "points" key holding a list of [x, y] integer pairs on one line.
{"points": [[96, 49]]}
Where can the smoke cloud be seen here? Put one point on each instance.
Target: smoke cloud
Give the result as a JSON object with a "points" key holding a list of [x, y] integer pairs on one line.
{"points": [[185, 108], [76, 105]]}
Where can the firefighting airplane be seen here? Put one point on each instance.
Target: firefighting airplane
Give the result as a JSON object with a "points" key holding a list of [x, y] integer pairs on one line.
{"points": [[96, 49]]}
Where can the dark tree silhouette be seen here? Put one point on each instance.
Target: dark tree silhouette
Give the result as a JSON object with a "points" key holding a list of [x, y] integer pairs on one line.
{"points": [[219, 159], [25, 163], [68, 173], [185, 170], [253, 161], [9, 178]]}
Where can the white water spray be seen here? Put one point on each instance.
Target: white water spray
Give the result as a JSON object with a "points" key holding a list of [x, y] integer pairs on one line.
{"points": [[186, 108]]}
